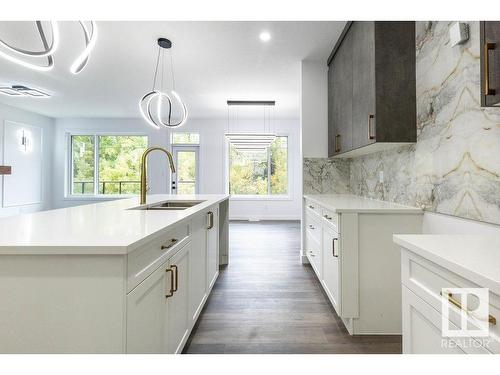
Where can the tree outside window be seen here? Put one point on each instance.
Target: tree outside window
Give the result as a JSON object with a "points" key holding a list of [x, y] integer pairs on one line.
{"points": [[259, 172]]}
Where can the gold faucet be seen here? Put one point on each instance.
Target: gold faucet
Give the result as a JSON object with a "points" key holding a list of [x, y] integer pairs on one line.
{"points": [[143, 169]]}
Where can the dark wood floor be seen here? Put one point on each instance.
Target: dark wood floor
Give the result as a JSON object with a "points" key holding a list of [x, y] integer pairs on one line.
{"points": [[265, 301]]}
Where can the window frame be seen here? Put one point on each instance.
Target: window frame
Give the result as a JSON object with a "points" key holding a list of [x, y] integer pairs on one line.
{"points": [[254, 197], [69, 165]]}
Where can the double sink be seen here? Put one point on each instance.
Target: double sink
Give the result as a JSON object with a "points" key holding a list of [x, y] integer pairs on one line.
{"points": [[169, 205]]}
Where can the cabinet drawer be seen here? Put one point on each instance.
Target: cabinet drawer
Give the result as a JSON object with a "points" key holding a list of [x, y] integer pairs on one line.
{"points": [[313, 252], [143, 261], [313, 208], [313, 226], [331, 218], [422, 333], [426, 279]]}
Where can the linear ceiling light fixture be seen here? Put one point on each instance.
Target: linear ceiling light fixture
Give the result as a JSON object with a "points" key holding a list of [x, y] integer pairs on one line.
{"points": [[152, 104], [251, 141], [23, 91], [90, 35]]}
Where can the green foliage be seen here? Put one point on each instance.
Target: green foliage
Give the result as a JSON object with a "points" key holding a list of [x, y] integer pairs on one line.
{"points": [[119, 161], [249, 172]]}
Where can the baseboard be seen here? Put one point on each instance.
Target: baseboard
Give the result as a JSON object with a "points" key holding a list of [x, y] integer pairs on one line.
{"points": [[303, 259]]}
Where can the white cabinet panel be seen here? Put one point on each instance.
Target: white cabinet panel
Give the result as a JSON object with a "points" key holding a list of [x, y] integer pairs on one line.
{"points": [[147, 313], [422, 330], [212, 247], [179, 322], [331, 267], [198, 267]]}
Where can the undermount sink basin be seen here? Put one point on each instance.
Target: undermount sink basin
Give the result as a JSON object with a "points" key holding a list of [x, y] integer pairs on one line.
{"points": [[170, 205]]}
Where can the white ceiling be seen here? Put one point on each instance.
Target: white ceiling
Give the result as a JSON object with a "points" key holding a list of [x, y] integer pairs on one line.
{"points": [[213, 61]]}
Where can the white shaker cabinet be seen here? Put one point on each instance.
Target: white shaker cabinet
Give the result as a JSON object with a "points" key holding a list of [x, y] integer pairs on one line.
{"points": [[212, 247], [348, 242], [147, 312], [179, 321], [331, 267]]}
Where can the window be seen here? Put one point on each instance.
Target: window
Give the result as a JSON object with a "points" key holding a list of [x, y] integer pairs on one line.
{"points": [[185, 149], [106, 164], [259, 172]]}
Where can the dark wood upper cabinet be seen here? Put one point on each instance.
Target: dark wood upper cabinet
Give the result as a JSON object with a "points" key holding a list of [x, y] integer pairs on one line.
{"points": [[490, 63], [371, 88]]}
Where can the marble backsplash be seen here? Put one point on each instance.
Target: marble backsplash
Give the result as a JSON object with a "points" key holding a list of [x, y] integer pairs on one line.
{"points": [[325, 176], [454, 168]]}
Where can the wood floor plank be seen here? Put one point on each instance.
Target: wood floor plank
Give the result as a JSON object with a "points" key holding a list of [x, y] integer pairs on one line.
{"points": [[265, 301]]}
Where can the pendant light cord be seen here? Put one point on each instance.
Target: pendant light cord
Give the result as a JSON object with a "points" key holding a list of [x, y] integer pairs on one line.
{"points": [[156, 69]]}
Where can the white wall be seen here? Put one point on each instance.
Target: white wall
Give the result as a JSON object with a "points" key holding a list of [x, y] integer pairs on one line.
{"points": [[212, 162], [314, 109], [46, 124]]}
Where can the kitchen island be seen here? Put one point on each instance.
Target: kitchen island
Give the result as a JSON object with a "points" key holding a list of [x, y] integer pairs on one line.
{"points": [[111, 277]]}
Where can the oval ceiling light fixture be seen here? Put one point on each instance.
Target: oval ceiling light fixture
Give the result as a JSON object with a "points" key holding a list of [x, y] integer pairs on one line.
{"points": [[160, 97], [265, 36], [49, 50], [90, 42]]}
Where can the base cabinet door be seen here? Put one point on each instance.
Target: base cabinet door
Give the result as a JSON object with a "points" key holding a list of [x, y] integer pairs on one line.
{"points": [[198, 267], [178, 319], [147, 313], [212, 247], [331, 268]]}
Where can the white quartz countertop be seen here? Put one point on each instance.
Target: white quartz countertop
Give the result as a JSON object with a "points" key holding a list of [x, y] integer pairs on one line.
{"points": [[353, 203], [101, 228], [474, 257]]}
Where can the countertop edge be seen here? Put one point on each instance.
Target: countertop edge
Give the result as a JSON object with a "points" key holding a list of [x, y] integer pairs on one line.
{"points": [[44, 249], [402, 210], [466, 273]]}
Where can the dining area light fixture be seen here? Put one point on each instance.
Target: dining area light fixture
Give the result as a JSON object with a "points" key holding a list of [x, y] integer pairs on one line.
{"points": [[248, 141], [31, 58], [158, 104]]}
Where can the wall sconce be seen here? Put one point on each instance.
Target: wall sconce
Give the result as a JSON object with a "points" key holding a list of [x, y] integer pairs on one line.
{"points": [[25, 141]]}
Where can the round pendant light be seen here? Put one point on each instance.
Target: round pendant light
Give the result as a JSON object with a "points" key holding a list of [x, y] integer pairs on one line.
{"points": [[158, 103]]}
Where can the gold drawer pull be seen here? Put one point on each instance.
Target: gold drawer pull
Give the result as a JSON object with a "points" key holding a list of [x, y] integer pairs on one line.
{"points": [[171, 291], [370, 133], [311, 226], [311, 207], [491, 319], [337, 143], [327, 217], [176, 277], [311, 253], [173, 241]]}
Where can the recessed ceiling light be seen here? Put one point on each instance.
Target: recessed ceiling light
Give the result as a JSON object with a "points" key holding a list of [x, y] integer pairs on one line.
{"points": [[265, 36]]}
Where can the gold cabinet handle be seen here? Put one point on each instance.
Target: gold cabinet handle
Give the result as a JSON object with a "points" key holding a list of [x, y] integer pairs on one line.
{"points": [[311, 253], [176, 277], [311, 226], [333, 248], [487, 48], [337, 143], [311, 207], [327, 217], [491, 319], [173, 241], [171, 291], [210, 220], [370, 134]]}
